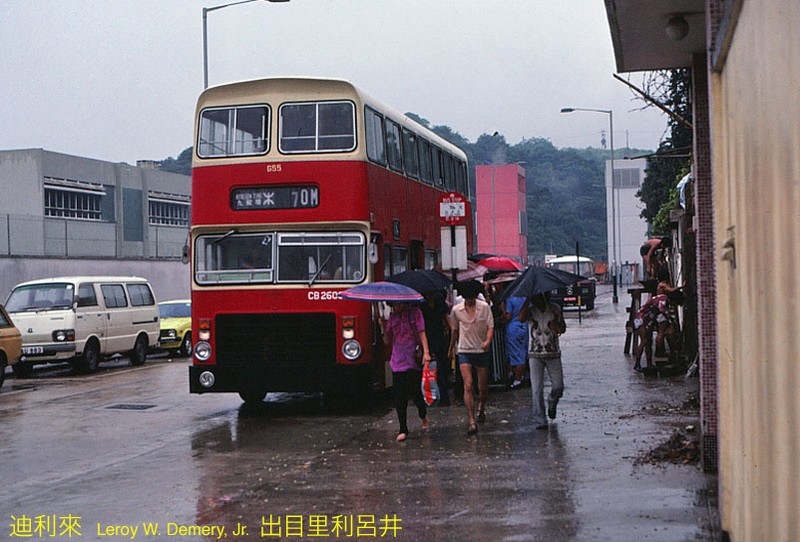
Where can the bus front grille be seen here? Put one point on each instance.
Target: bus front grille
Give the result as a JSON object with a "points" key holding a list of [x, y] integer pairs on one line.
{"points": [[293, 352]]}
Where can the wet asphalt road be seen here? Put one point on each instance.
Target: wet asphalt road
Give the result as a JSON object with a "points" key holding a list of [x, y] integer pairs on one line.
{"points": [[128, 446]]}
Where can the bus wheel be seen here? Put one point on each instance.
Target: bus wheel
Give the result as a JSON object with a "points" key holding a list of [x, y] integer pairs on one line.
{"points": [[252, 394], [90, 358], [22, 369], [139, 353]]}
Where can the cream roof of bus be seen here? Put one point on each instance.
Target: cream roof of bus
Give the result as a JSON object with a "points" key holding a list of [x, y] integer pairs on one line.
{"points": [[274, 90]]}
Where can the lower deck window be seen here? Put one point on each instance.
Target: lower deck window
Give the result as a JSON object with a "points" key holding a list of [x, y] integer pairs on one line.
{"points": [[280, 257]]}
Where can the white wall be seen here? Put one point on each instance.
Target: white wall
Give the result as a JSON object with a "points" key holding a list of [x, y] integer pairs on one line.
{"points": [[631, 227]]}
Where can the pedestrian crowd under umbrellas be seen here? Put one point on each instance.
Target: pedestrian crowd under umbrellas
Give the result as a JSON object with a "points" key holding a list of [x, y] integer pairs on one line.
{"points": [[496, 311]]}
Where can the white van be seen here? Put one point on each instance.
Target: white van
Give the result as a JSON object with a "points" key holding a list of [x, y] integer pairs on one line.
{"points": [[83, 319]]}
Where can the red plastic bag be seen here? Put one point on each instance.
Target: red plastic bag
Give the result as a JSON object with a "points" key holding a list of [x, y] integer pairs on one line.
{"points": [[430, 389]]}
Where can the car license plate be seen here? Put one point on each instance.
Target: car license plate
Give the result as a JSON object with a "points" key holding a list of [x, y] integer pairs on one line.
{"points": [[570, 299], [32, 350]]}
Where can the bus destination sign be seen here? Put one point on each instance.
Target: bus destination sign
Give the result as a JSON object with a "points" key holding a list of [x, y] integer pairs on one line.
{"points": [[275, 197]]}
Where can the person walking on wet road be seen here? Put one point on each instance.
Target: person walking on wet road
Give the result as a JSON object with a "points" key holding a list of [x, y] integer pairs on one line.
{"points": [[546, 324], [471, 333], [437, 330], [516, 338], [405, 332]]}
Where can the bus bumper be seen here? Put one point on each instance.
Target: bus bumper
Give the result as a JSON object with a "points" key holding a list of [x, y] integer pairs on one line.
{"points": [[221, 380]]}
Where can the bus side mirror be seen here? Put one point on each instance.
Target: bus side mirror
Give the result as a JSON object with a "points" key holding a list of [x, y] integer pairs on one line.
{"points": [[186, 254], [372, 253]]}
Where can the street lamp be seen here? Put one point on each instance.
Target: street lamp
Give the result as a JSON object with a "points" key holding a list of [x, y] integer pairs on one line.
{"points": [[614, 297], [205, 32]]}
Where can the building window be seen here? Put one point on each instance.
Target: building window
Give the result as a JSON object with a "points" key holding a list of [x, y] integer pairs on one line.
{"points": [[73, 199], [168, 209], [627, 177]]}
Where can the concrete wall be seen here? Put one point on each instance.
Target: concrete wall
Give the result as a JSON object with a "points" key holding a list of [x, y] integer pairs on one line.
{"points": [[756, 170], [170, 279]]}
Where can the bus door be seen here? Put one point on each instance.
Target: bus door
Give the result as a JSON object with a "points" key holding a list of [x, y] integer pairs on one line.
{"points": [[416, 257]]}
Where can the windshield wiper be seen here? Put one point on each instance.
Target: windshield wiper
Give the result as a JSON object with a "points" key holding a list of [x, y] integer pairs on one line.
{"points": [[224, 236], [313, 279]]}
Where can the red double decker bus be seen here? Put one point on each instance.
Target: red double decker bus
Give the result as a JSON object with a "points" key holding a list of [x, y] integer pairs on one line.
{"points": [[302, 188]]}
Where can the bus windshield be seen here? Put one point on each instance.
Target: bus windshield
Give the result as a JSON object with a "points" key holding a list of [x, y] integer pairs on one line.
{"points": [[280, 257]]}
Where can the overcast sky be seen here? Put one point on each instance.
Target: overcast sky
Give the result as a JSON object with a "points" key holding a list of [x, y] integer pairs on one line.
{"points": [[117, 80]]}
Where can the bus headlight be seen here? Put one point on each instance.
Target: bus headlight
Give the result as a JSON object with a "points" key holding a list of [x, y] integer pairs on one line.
{"points": [[206, 379], [202, 351], [351, 349]]}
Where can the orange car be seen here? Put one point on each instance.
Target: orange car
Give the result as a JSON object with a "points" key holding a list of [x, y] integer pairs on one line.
{"points": [[10, 343]]}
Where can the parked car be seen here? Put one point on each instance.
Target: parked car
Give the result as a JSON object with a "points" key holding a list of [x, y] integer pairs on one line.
{"points": [[83, 319], [10, 343], [176, 326]]}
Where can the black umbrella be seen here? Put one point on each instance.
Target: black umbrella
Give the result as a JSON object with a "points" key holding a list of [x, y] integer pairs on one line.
{"points": [[539, 280], [422, 280]]}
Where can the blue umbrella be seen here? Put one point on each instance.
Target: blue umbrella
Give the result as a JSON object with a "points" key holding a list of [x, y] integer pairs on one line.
{"points": [[383, 291]]}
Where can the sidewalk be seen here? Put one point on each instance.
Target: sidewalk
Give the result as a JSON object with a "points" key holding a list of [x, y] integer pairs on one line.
{"points": [[594, 475]]}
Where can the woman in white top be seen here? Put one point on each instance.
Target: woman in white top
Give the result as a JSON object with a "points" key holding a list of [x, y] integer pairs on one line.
{"points": [[472, 327]]}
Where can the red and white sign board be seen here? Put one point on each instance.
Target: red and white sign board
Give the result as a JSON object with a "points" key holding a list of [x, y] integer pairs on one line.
{"points": [[452, 208]]}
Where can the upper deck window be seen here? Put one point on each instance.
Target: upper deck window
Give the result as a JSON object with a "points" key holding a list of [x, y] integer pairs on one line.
{"points": [[317, 127], [410, 156], [425, 167], [394, 148], [233, 131], [376, 146]]}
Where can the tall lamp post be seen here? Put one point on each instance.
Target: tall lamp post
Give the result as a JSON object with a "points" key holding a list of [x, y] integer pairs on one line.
{"points": [[205, 32], [614, 297]]}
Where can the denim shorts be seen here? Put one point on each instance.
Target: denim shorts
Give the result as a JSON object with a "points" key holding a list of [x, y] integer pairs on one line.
{"points": [[483, 360]]}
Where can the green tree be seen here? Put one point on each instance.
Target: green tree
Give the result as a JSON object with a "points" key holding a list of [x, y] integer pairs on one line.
{"points": [[181, 164], [671, 88]]}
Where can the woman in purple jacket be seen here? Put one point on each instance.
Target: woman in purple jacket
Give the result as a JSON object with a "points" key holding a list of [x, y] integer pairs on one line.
{"points": [[405, 332]]}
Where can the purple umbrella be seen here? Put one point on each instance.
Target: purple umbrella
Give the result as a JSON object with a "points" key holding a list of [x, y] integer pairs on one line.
{"points": [[383, 291]]}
